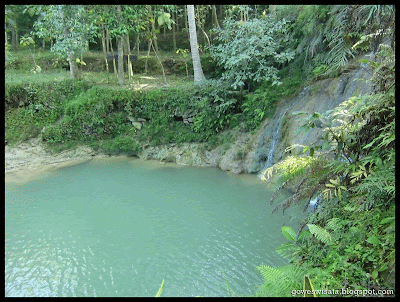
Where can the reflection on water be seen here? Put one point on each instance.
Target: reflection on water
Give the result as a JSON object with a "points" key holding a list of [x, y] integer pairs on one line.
{"points": [[119, 227]]}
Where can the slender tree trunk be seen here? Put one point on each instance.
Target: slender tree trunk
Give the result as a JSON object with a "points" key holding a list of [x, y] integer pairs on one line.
{"points": [[174, 37], [104, 47], [153, 29], [107, 41], [214, 13], [73, 67], [14, 38], [120, 52], [129, 67], [162, 67], [137, 45], [120, 62], [186, 18], [114, 62], [148, 56], [197, 70]]}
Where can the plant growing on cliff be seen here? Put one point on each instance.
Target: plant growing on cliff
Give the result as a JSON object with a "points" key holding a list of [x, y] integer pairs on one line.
{"points": [[355, 173]]}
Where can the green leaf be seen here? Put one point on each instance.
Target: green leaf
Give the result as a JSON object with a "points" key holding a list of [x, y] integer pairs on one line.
{"points": [[304, 234], [373, 240], [324, 145], [312, 152], [374, 275], [383, 267], [387, 220], [308, 287], [289, 233], [161, 289]]}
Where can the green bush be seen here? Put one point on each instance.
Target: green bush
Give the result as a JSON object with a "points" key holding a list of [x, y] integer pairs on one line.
{"points": [[122, 144], [14, 94], [210, 66], [96, 112], [42, 104]]}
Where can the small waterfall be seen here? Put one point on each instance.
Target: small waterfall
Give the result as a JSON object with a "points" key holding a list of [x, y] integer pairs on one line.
{"points": [[274, 142]]}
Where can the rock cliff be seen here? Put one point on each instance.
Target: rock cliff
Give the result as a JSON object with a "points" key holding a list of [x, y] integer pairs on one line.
{"points": [[249, 153]]}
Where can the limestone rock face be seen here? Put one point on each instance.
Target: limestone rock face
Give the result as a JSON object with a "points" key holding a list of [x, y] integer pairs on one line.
{"points": [[248, 153], [33, 154]]}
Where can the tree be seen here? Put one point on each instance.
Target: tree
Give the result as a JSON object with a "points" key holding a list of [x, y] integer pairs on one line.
{"points": [[70, 26], [198, 71], [120, 51], [10, 21], [252, 50]]}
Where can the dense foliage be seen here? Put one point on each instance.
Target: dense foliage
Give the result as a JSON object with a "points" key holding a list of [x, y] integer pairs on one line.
{"points": [[252, 50], [350, 242]]}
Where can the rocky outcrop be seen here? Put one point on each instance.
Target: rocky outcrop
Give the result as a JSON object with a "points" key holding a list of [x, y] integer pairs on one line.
{"points": [[249, 153], [33, 154]]}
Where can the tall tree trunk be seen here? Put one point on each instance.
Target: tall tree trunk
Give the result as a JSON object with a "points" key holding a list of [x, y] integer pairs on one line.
{"points": [[174, 36], [214, 13], [114, 61], [128, 52], [153, 28], [104, 47], [14, 38], [197, 70], [186, 18], [120, 52], [73, 67], [137, 45]]}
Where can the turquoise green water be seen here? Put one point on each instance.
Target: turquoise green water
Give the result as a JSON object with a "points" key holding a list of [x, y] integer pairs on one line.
{"points": [[119, 227]]}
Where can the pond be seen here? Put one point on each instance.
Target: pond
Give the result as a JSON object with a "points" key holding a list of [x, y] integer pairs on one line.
{"points": [[118, 227]]}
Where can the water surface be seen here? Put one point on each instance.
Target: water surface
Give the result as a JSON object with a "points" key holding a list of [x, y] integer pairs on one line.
{"points": [[118, 227]]}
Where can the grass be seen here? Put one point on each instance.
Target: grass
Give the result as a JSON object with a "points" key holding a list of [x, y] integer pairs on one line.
{"points": [[16, 76], [21, 72]]}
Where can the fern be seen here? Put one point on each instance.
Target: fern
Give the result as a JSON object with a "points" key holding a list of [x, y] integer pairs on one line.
{"points": [[279, 281], [320, 233]]}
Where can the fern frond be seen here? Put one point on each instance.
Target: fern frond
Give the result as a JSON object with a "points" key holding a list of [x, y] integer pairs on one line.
{"points": [[286, 249], [320, 233], [333, 224], [279, 281], [276, 192]]}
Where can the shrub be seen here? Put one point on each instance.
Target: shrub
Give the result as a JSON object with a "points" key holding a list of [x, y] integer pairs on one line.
{"points": [[251, 50], [122, 144], [14, 94]]}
